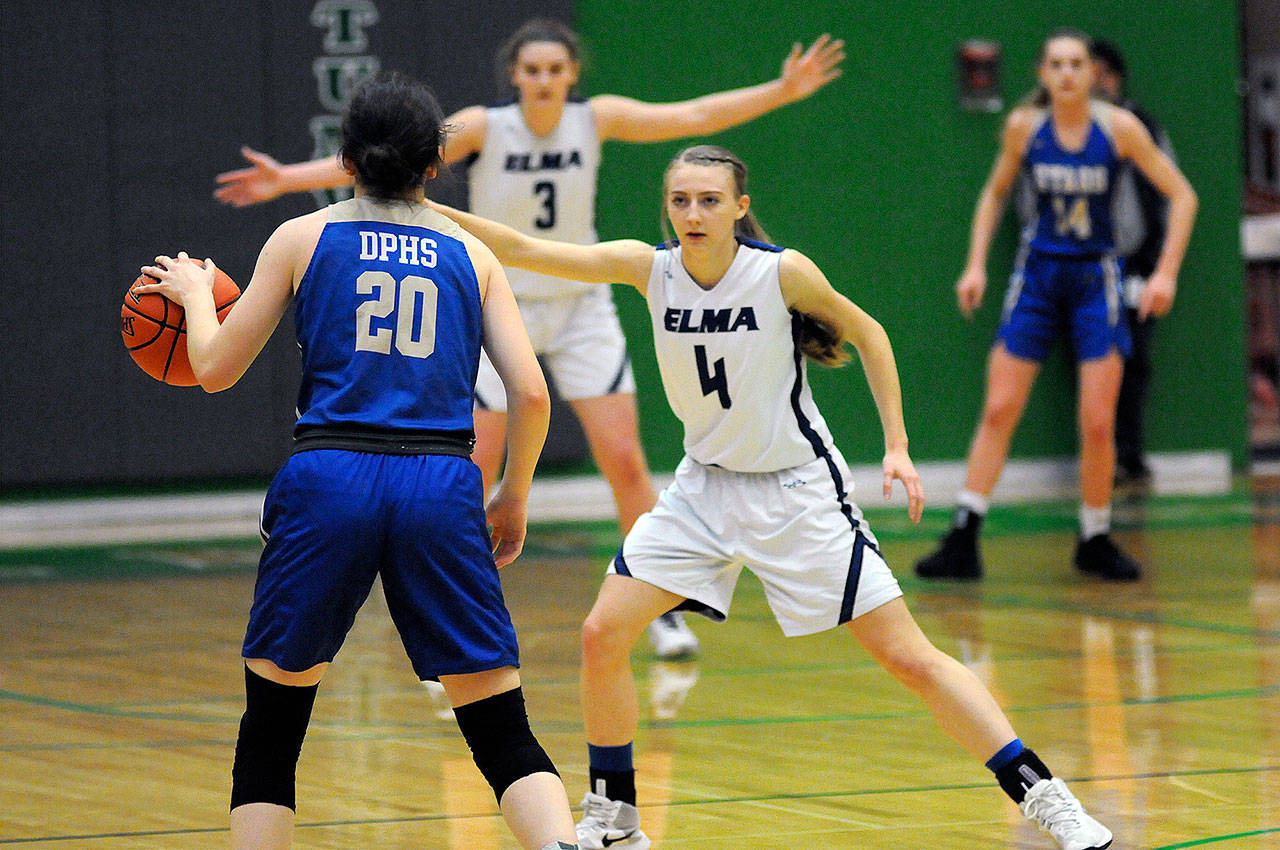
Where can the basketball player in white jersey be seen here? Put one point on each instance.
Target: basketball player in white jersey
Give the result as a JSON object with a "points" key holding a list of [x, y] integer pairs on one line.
{"points": [[761, 485], [533, 167]]}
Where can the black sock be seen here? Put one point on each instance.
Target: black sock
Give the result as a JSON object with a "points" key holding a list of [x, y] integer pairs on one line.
{"points": [[614, 784], [1017, 777]]}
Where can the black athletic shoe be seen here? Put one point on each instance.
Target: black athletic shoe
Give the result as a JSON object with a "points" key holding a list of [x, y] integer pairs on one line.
{"points": [[1099, 556], [956, 558], [1135, 477]]}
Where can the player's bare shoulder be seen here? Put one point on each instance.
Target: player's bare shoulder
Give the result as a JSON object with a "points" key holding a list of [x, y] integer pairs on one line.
{"points": [[1021, 123], [466, 130]]}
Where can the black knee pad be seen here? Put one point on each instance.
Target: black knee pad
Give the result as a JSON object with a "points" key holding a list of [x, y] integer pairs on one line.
{"points": [[271, 732], [502, 745]]}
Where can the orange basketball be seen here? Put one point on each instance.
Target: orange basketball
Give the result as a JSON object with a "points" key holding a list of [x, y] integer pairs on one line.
{"points": [[155, 329]]}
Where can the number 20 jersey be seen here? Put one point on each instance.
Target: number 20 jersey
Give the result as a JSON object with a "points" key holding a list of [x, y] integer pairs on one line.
{"points": [[730, 365], [543, 186], [388, 318], [1073, 189]]}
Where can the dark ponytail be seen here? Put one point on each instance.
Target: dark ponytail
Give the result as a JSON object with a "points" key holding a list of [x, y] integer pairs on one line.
{"points": [[392, 133], [818, 342]]}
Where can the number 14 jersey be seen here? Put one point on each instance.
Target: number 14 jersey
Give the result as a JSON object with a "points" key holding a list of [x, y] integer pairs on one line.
{"points": [[731, 368], [1073, 188]]}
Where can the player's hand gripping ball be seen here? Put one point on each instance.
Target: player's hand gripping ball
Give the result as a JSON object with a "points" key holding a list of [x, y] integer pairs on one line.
{"points": [[155, 329]]}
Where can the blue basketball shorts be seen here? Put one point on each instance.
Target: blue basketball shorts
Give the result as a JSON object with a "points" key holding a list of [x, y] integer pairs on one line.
{"points": [[1051, 296], [334, 520]]}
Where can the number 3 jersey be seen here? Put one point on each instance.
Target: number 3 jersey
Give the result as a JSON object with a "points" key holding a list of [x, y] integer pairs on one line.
{"points": [[730, 365], [1073, 189], [543, 186], [388, 318]]}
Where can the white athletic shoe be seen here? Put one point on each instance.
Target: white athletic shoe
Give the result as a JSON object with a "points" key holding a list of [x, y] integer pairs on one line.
{"points": [[439, 699], [1060, 814], [610, 824], [671, 636]]}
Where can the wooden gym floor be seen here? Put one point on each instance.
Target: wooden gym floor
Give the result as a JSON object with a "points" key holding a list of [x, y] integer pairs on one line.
{"points": [[120, 691]]}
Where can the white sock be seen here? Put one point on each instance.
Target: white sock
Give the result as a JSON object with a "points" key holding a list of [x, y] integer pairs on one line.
{"points": [[1094, 521], [975, 503]]}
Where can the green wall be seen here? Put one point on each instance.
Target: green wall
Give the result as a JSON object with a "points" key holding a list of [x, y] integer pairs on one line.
{"points": [[875, 178]]}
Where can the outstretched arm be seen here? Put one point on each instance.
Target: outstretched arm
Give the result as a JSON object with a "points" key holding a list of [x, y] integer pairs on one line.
{"points": [[266, 178], [803, 73], [623, 261], [806, 289]]}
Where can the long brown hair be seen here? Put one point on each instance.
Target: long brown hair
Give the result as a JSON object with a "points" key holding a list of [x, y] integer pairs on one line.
{"points": [[534, 29], [746, 227], [1039, 96], [817, 341]]}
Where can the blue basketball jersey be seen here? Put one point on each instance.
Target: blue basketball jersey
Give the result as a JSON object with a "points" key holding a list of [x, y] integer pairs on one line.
{"points": [[1073, 189], [388, 317]]}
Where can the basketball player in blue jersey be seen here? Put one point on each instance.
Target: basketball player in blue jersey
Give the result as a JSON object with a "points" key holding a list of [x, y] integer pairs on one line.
{"points": [[1067, 278], [393, 303], [533, 165], [761, 485]]}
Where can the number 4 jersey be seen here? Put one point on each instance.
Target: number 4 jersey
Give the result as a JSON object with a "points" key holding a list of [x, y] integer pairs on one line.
{"points": [[730, 365], [543, 186], [1073, 189], [388, 321]]}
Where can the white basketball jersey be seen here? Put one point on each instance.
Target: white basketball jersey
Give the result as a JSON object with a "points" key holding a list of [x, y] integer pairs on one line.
{"points": [[730, 366], [544, 186]]}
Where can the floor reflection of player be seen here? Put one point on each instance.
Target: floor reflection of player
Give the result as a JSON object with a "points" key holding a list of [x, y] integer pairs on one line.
{"points": [[670, 683], [1266, 617], [1106, 718]]}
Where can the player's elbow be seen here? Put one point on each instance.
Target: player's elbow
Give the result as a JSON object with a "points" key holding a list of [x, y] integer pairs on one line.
{"points": [[533, 400], [1192, 200], [212, 383], [215, 377]]}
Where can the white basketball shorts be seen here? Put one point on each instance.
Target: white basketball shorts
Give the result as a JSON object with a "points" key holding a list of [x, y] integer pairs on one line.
{"points": [[580, 342], [811, 549]]}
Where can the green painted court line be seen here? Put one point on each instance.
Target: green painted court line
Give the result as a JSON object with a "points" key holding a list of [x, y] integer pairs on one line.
{"points": [[706, 801], [599, 539], [717, 722], [108, 710], [1217, 838], [566, 726], [1144, 617]]}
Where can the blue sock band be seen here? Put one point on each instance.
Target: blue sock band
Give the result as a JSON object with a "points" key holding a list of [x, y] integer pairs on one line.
{"points": [[1008, 753], [610, 758]]}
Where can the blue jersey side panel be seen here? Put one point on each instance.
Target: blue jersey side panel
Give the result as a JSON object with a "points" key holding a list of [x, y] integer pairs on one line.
{"points": [[388, 320], [1073, 192]]}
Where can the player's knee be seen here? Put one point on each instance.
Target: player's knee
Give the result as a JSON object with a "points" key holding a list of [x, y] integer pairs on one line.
{"points": [[622, 461], [1097, 427], [1001, 414], [502, 745], [603, 640], [915, 669], [270, 741]]}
